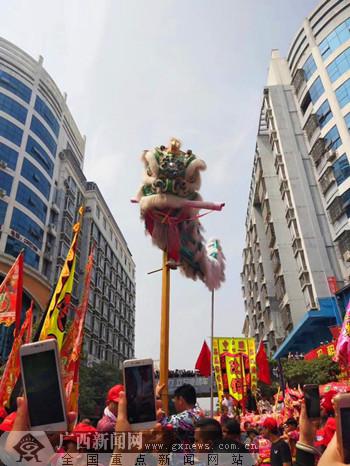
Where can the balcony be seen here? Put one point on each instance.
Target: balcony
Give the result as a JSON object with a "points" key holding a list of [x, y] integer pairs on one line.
{"points": [[299, 80], [260, 273], [278, 162], [284, 187], [273, 135], [286, 318], [344, 245], [297, 246], [262, 190], [51, 228], [270, 235], [311, 126], [304, 279], [327, 180], [290, 215], [266, 211], [336, 209], [275, 259], [280, 288], [318, 150]]}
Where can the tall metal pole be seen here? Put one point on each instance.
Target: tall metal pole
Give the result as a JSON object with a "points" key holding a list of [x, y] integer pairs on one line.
{"points": [[164, 333], [211, 355]]}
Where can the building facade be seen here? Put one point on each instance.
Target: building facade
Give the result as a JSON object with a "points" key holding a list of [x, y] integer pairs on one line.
{"points": [[297, 252], [42, 185]]}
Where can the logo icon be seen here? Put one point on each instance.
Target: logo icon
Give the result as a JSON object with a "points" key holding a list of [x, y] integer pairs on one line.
{"points": [[28, 448]]}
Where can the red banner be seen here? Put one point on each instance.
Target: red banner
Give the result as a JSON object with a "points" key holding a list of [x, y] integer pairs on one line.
{"points": [[11, 290], [323, 350], [13, 368], [332, 283]]}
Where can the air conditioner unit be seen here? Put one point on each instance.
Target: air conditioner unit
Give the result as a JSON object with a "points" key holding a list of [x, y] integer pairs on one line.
{"points": [[331, 155], [3, 164], [346, 256]]}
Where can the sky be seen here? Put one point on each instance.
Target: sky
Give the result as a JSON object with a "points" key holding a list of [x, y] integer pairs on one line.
{"points": [[138, 72]]}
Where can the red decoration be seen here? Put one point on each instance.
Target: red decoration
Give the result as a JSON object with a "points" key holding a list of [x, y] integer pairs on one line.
{"points": [[263, 365], [203, 363]]}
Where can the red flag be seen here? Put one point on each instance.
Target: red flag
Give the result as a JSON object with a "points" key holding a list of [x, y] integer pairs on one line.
{"points": [[262, 365], [11, 290], [203, 363], [12, 369]]}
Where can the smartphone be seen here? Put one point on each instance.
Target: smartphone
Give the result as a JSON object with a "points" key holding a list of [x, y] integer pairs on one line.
{"points": [[140, 393], [43, 388], [342, 417], [312, 401]]}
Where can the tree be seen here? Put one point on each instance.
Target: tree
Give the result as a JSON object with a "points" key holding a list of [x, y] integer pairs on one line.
{"points": [[93, 387], [316, 371]]}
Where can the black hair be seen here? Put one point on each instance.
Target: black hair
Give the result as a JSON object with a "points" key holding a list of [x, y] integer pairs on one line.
{"points": [[233, 427], [188, 393], [205, 422], [291, 422]]}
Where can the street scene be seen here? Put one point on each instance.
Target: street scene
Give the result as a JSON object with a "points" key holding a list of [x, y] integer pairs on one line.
{"points": [[174, 233]]}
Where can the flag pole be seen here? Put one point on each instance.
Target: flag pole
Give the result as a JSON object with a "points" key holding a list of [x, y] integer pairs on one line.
{"points": [[164, 333], [211, 356]]}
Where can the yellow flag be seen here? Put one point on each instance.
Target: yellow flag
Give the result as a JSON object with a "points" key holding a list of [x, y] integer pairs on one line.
{"points": [[56, 314]]}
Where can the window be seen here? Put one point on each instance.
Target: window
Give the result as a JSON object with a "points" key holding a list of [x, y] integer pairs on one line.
{"points": [[309, 67], [46, 113], [13, 108], [343, 93], [98, 212], [104, 223], [8, 156], [14, 247], [40, 130], [27, 227], [40, 155], [306, 102], [15, 86], [3, 208], [339, 66], [10, 131], [332, 138], [316, 90], [26, 197], [36, 178], [6, 182], [324, 114], [337, 37], [341, 169]]}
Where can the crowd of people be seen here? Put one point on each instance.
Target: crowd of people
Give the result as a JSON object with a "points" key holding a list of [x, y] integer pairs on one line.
{"points": [[264, 437], [177, 373]]}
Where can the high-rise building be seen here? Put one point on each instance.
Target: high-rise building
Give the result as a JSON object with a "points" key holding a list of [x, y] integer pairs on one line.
{"points": [[297, 250], [42, 185]]}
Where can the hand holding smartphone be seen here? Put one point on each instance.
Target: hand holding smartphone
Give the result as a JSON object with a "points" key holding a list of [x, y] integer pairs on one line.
{"points": [[312, 401], [43, 388], [342, 417], [140, 393]]}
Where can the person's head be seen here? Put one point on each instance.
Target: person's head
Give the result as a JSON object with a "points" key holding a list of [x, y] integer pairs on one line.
{"points": [[270, 428], [113, 398], [226, 394], [86, 421], [207, 432], [184, 398], [252, 433], [246, 425], [232, 430], [290, 425]]}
